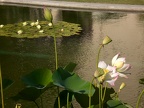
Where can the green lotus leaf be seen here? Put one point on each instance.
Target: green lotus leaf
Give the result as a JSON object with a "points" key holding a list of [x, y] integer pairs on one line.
{"points": [[59, 29], [116, 104], [70, 67], [71, 81], [39, 78], [59, 77], [78, 85]]}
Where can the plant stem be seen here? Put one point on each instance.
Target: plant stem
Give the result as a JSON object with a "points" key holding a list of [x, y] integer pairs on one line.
{"points": [[68, 100], [41, 99], [139, 98], [90, 92], [2, 97], [100, 96], [97, 59], [56, 66], [56, 57], [104, 92], [36, 104]]}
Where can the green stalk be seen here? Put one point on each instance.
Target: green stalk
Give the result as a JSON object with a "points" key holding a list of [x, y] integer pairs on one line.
{"points": [[56, 66], [56, 57], [36, 104], [90, 92], [100, 96], [104, 92], [139, 98], [2, 97], [97, 59], [68, 100]]}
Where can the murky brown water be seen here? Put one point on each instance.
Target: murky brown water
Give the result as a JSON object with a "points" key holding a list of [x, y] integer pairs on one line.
{"points": [[125, 29]]}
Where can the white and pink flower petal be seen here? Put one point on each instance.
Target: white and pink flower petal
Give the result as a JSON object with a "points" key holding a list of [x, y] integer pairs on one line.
{"points": [[122, 75], [112, 82], [124, 68], [102, 65]]}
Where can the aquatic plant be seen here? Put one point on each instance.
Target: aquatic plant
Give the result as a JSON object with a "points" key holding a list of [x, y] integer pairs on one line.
{"points": [[94, 94]]}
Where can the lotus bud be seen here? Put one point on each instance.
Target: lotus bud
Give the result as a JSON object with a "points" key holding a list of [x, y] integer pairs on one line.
{"points": [[19, 32], [47, 14], [38, 26], [32, 24], [96, 74], [25, 23], [41, 31], [50, 24], [122, 86], [106, 40], [1, 26]]}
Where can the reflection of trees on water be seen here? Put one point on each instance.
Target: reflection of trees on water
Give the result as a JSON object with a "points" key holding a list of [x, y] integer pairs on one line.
{"points": [[82, 18], [103, 18], [140, 18], [108, 16], [13, 14]]}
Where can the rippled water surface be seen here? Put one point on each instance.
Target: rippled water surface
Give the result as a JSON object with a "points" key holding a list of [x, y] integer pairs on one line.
{"points": [[20, 56]]}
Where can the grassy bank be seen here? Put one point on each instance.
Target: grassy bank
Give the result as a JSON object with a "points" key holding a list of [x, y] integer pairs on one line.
{"points": [[133, 2]]}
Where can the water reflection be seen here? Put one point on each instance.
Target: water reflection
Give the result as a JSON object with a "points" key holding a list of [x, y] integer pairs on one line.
{"points": [[125, 29], [13, 14]]}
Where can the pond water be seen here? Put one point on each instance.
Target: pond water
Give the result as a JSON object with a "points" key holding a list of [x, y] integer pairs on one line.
{"points": [[21, 56]]}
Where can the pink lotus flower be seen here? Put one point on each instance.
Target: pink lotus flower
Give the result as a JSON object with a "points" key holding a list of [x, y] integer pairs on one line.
{"points": [[110, 75], [120, 65]]}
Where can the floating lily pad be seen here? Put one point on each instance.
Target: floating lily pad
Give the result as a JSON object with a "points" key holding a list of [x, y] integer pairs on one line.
{"points": [[58, 29]]}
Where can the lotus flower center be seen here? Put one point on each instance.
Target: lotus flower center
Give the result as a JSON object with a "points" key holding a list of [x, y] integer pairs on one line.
{"points": [[119, 64], [105, 71]]}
